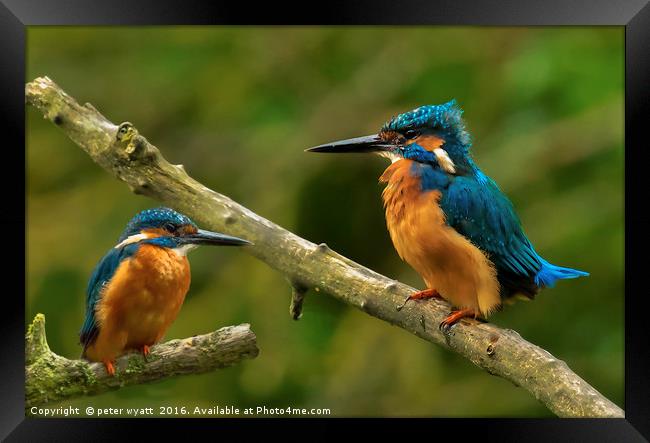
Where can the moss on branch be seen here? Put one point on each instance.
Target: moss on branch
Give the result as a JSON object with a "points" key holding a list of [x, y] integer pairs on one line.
{"points": [[50, 377]]}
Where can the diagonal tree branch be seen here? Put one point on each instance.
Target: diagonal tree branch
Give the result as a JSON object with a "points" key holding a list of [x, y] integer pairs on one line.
{"points": [[140, 165], [50, 377]]}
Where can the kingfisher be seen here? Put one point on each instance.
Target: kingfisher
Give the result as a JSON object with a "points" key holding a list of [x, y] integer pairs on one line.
{"points": [[137, 289], [450, 221]]}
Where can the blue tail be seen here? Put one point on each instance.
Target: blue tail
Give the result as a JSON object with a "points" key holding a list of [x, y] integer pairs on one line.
{"points": [[549, 274]]}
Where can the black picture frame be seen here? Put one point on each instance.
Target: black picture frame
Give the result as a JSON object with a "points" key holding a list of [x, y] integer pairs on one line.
{"points": [[634, 15]]}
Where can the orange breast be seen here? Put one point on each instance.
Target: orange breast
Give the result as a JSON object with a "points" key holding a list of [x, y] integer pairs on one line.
{"points": [[446, 260], [140, 302]]}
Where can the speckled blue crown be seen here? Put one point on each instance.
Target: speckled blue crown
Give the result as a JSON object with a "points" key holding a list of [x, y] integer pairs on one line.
{"points": [[154, 218], [447, 116]]}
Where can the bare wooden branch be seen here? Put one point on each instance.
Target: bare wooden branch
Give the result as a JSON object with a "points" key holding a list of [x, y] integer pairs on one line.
{"points": [[499, 351], [50, 377]]}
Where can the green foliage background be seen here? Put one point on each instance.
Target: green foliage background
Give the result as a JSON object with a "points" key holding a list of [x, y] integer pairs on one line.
{"points": [[237, 106]]}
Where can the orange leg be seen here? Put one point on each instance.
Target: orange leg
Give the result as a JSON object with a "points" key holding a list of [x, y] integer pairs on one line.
{"points": [[145, 351], [455, 316], [109, 367], [421, 295]]}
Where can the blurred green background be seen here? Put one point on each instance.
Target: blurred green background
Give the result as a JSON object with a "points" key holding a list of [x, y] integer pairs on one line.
{"points": [[237, 106]]}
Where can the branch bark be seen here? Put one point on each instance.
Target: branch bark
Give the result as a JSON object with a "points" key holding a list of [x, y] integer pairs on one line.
{"points": [[50, 377], [499, 351]]}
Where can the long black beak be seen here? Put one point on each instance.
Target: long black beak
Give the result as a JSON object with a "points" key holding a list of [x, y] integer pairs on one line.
{"points": [[369, 143], [202, 237]]}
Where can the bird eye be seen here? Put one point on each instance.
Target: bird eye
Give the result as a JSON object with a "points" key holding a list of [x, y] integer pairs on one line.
{"points": [[169, 227], [411, 133]]}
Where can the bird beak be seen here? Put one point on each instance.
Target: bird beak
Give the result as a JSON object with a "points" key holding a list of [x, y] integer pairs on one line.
{"points": [[202, 237], [369, 143]]}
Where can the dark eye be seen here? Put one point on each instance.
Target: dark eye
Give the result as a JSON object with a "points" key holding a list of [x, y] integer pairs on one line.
{"points": [[411, 133], [169, 227]]}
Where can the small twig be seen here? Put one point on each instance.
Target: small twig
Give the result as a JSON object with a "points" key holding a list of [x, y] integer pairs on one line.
{"points": [[50, 377], [298, 292]]}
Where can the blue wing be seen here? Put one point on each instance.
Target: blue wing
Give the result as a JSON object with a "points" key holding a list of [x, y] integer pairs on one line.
{"points": [[101, 275], [478, 210]]}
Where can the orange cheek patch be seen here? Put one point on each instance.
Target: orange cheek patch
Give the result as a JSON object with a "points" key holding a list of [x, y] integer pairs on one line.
{"points": [[428, 142], [154, 232], [188, 229]]}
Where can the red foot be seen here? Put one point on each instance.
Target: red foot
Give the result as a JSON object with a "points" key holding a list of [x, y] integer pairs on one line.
{"points": [[145, 351], [421, 295], [427, 293], [453, 318], [109, 367]]}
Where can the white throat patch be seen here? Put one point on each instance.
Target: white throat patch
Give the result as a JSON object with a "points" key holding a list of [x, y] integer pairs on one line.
{"points": [[132, 239], [183, 250], [445, 162], [389, 155]]}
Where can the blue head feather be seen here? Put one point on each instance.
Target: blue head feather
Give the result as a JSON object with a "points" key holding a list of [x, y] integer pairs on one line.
{"points": [[445, 119], [154, 218]]}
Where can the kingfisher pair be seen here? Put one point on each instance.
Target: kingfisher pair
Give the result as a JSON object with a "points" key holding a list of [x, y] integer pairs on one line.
{"points": [[446, 218]]}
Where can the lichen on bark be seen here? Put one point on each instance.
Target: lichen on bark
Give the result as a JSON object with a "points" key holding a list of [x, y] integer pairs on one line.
{"points": [[50, 377]]}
